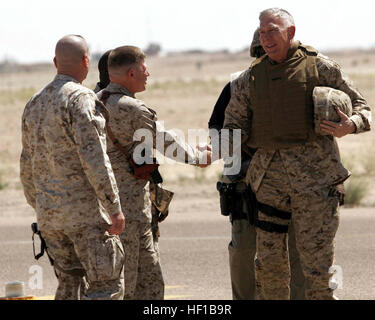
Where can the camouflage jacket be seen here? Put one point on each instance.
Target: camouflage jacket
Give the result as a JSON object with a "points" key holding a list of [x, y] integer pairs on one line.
{"points": [[64, 166], [312, 164], [128, 115]]}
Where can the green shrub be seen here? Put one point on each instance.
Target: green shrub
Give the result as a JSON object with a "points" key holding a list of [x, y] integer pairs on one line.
{"points": [[369, 161], [356, 188]]}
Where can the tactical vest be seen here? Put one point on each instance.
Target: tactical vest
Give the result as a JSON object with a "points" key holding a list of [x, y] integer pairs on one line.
{"points": [[282, 110]]}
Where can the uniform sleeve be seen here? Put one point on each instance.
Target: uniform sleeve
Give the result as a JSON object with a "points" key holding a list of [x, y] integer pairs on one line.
{"points": [[88, 127], [163, 140], [331, 75], [238, 111], [217, 117], [26, 173]]}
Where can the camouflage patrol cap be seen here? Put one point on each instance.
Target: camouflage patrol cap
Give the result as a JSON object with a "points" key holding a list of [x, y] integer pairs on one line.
{"points": [[256, 49], [325, 102]]}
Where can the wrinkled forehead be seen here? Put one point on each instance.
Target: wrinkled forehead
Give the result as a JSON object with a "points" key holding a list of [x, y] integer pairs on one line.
{"points": [[272, 22]]}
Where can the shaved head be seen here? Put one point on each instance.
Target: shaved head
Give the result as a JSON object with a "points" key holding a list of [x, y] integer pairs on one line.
{"points": [[70, 52], [71, 49]]}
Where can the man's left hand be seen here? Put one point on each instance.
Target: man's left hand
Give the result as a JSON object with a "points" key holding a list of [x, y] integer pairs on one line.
{"points": [[338, 129]]}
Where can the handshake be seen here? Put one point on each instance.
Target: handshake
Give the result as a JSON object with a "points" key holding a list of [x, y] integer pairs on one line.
{"points": [[205, 156]]}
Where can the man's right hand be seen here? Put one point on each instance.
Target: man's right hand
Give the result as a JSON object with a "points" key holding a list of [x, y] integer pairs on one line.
{"points": [[118, 224], [204, 147], [207, 157]]}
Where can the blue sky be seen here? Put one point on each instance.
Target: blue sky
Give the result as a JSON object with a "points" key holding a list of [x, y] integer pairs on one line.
{"points": [[29, 29]]}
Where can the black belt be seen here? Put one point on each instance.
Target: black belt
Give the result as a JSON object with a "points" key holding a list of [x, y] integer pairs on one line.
{"points": [[272, 212], [271, 227]]}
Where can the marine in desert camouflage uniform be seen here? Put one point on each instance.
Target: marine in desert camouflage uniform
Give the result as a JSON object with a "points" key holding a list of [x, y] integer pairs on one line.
{"points": [[103, 82], [242, 247], [295, 179], [128, 73], [68, 179]]}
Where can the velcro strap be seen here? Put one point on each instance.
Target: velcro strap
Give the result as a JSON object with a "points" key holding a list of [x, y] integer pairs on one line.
{"points": [[271, 227], [273, 212]]}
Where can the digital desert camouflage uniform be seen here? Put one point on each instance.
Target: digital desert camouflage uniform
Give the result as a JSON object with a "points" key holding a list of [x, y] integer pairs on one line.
{"points": [[242, 247], [142, 272], [298, 184], [68, 180]]}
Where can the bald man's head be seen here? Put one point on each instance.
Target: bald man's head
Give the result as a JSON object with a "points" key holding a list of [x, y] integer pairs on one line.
{"points": [[71, 55], [71, 49]]}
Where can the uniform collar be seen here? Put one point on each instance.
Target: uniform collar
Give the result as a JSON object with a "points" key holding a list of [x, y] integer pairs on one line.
{"points": [[293, 48], [64, 77], [115, 87]]}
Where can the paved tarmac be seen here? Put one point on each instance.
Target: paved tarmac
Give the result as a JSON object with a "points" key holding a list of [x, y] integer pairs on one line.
{"points": [[194, 255]]}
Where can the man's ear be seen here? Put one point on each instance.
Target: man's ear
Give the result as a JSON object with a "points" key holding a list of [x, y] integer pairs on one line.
{"points": [[131, 72], [86, 61], [291, 32], [55, 62]]}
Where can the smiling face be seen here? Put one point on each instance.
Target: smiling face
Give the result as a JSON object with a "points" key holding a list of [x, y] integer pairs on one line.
{"points": [[127, 67], [275, 37]]}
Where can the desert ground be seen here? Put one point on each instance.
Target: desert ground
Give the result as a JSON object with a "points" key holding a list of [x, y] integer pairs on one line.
{"points": [[183, 89]]}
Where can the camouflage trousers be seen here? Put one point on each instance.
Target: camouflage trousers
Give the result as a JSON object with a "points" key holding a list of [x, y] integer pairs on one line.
{"points": [[315, 217], [242, 252], [70, 287], [142, 269], [88, 257]]}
